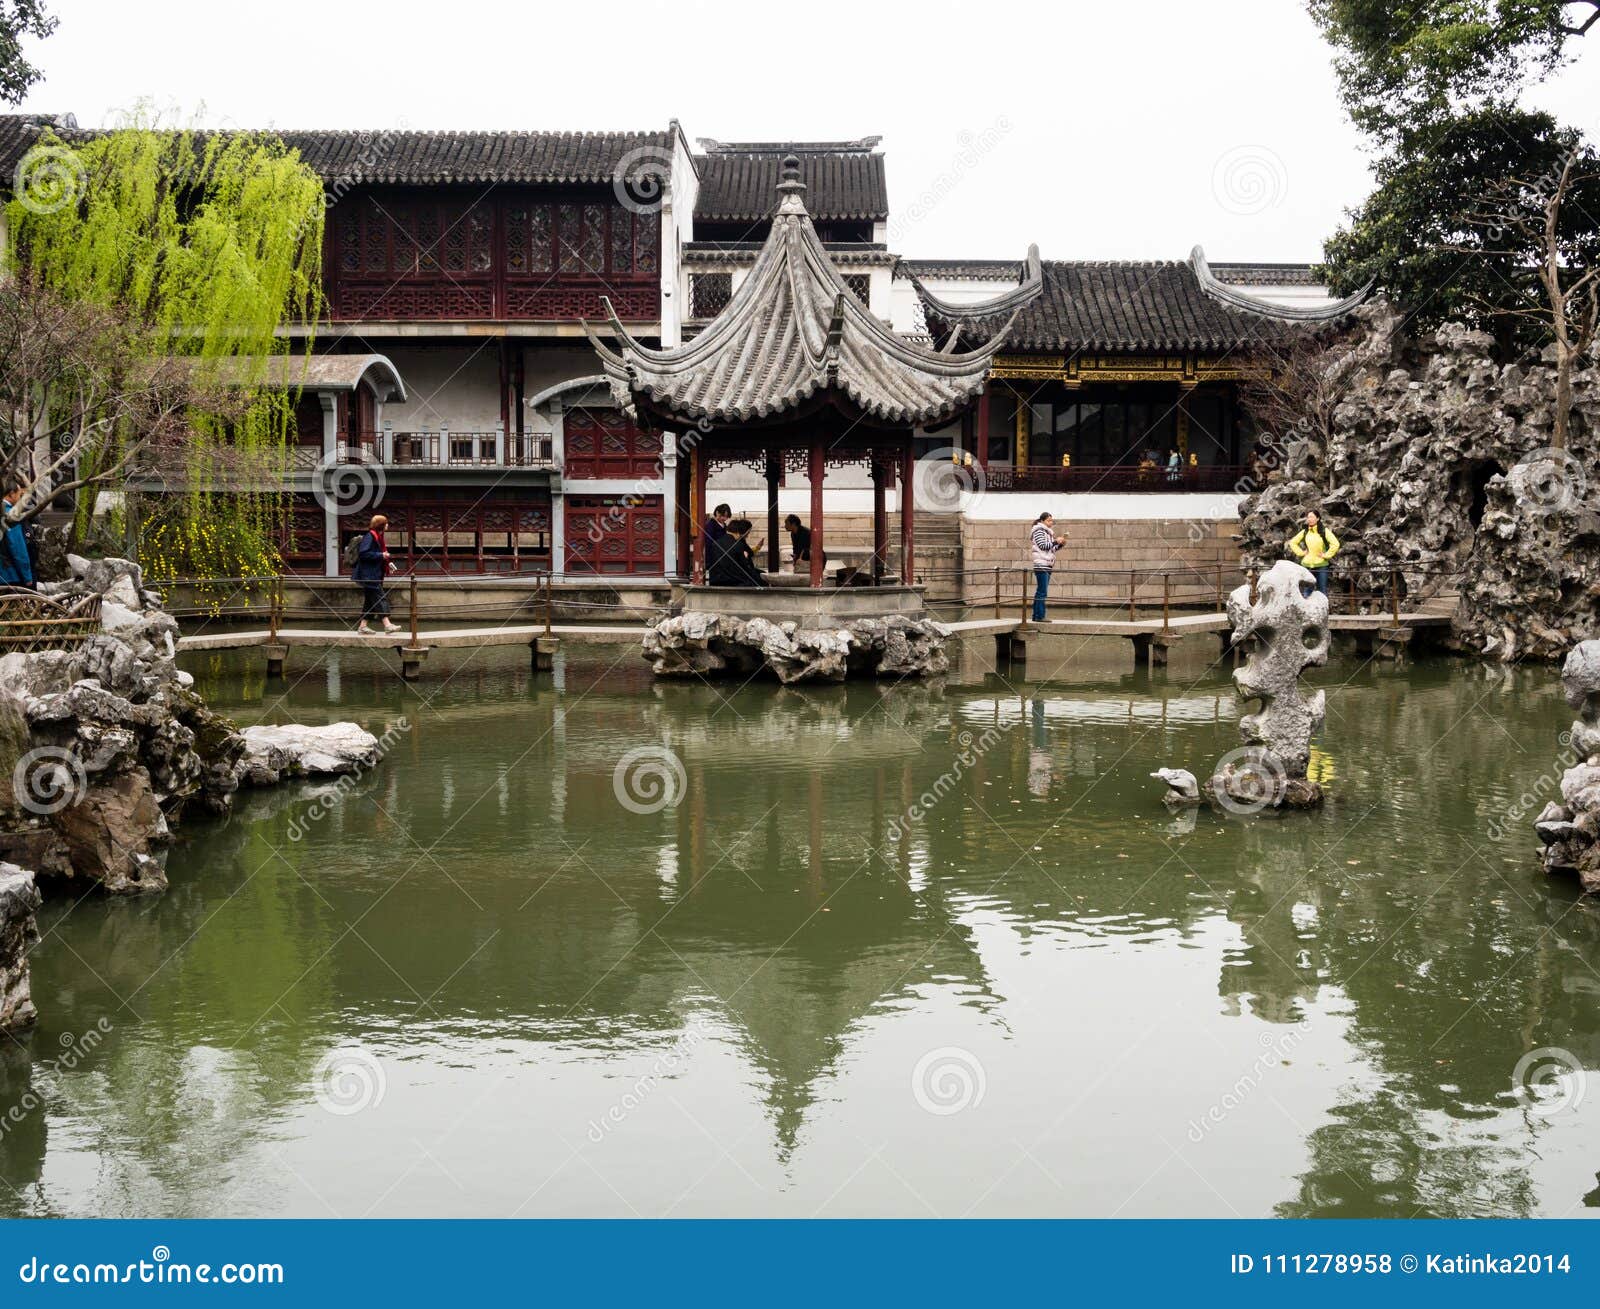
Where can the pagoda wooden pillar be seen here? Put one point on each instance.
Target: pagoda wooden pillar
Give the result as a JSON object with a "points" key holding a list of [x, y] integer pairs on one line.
{"points": [[774, 471], [814, 471], [683, 519], [697, 514], [880, 520], [908, 518], [982, 442]]}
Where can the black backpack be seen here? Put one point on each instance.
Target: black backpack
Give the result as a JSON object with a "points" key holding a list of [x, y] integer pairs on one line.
{"points": [[352, 550]]}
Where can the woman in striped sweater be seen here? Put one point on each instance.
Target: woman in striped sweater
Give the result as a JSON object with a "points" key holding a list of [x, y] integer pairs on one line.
{"points": [[1043, 547]]}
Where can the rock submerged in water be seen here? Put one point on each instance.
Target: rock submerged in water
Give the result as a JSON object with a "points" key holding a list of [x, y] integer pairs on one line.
{"points": [[699, 644], [19, 899], [274, 754], [107, 745], [1285, 629], [1570, 828]]}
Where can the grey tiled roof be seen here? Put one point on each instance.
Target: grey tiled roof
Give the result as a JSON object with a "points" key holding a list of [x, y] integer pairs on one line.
{"points": [[433, 157], [1125, 305], [844, 180], [422, 158], [792, 339]]}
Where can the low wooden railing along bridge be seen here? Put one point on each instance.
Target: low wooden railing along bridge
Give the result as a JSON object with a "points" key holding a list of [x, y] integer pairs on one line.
{"points": [[1161, 608]]}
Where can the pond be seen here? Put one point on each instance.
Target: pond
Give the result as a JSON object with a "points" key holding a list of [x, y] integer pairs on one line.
{"points": [[593, 945]]}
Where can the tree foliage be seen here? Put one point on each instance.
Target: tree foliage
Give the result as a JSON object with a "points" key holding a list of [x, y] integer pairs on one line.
{"points": [[1403, 66], [20, 18], [1434, 85], [204, 245], [1419, 235]]}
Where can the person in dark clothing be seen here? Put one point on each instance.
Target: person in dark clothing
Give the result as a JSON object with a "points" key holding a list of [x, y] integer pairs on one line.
{"points": [[800, 539], [16, 559], [732, 562], [716, 528], [372, 566]]}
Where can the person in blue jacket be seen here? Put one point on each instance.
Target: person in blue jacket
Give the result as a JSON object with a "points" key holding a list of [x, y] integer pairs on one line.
{"points": [[372, 566], [16, 567]]}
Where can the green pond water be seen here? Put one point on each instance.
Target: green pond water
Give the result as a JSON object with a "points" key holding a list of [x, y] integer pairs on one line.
{"points": [[893, 951]]}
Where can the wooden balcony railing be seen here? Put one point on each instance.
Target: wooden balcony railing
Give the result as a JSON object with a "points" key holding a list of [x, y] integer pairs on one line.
{"points": [[448, 448]]}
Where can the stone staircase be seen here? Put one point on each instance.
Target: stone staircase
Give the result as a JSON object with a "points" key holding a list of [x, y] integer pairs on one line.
{"points": [[939, 554]]}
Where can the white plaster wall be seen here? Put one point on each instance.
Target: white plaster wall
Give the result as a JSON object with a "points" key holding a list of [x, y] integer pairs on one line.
{"points": [[458, 385], [998, 506], [1300, 297], [454, 385], [1003, 506], [543, 368], [905, 310], [677, 227]]}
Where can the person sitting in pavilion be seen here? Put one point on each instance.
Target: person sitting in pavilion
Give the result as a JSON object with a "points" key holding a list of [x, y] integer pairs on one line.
{"points": [[730, 560]]}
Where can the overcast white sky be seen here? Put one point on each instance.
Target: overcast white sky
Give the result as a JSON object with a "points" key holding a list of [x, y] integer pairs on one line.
{"points": [[1098, 130]]}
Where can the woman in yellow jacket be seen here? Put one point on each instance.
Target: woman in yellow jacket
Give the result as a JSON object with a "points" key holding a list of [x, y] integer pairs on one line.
{"points": [[1314, 545]]}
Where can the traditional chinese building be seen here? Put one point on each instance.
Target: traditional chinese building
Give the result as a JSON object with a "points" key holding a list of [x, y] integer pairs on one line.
{"points": [[460, 266]]}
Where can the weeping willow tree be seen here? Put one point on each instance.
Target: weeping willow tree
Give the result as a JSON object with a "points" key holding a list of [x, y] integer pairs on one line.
{"points": [[204, 244]]}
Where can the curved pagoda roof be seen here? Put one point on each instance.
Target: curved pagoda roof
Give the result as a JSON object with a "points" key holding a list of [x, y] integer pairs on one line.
{"points": [[793, 340], [1128, 306]]}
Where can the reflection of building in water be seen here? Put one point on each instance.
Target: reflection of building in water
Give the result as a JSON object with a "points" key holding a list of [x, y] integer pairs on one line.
{"points": [[798, 916]]}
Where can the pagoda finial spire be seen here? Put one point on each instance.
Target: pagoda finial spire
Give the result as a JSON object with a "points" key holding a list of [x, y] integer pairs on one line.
{"points": [[791, 188]]}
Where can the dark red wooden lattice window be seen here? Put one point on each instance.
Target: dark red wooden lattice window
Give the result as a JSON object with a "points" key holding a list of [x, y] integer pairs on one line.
{"points": [[615, 535], [603, 443]]}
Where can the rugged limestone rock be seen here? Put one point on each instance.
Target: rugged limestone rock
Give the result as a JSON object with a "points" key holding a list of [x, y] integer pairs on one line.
{"points": [[1439, 465], [19, 898], [274, 753], [112, 832], [1183, 790], [107, 744], [1570, 829], [698, 644], [1286, 628]]}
